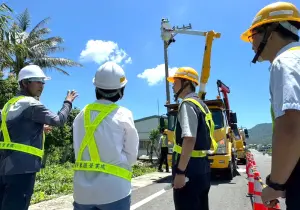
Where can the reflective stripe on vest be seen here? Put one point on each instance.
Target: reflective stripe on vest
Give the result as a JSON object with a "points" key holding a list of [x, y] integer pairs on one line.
{"points": [[95, 163], [7, 143], [210, 123], [272, 111], [164, 141]]}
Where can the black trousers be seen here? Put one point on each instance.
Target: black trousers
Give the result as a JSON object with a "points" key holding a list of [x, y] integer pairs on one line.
{"points": [[164, 158], [194, 195], [292, 189], [16, 191]]}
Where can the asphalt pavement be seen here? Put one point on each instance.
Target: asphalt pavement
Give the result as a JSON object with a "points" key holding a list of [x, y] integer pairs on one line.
{"points": [[263, 163], [148, 193], [223, 195]]}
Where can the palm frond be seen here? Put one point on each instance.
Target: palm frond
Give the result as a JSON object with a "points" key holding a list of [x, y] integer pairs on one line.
{"points": [[39, 26], [51, 62], [24, 20], [39, 34], [19, 47]]}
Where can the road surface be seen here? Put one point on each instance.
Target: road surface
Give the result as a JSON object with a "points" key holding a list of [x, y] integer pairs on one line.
{"points": [[223, 195], [263, 162]]}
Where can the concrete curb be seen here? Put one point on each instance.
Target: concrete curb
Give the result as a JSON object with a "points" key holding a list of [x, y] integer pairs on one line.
{"points": [[65, 202]]}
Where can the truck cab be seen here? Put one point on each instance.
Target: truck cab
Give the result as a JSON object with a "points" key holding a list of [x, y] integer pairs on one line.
{"points": [[224, 159]]}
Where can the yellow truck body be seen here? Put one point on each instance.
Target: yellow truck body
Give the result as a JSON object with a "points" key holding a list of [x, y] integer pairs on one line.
{"points": [[224, 160], [241, 145]]}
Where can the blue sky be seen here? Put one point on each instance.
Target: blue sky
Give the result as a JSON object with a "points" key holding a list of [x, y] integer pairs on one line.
{"points": [[130, 32]]}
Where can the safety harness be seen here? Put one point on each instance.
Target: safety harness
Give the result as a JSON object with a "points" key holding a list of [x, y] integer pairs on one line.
{"points": [[95, 163]]}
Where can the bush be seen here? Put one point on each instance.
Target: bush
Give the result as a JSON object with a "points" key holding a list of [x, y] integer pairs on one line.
{"points": [[57, 179]]}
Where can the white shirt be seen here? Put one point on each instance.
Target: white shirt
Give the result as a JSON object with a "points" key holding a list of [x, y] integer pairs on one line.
{"points": [[118, 142], [285, 80]]}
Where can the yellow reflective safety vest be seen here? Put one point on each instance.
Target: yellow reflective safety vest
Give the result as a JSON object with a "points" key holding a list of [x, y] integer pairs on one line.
{"points": [[7, 143], [272, 112], [164, 143], [211, 125], [95, 164]]}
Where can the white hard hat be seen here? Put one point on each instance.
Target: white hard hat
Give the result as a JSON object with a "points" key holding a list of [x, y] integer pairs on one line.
{"points": [[110, 76], [32, 71]]}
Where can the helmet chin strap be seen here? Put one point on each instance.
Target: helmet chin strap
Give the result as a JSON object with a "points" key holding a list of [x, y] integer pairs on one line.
{"points": [[183, 86], [264, 42]]}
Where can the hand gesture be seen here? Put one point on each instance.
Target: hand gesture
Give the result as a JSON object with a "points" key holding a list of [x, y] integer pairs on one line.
{"points": [[71, 95], [47, 128]]}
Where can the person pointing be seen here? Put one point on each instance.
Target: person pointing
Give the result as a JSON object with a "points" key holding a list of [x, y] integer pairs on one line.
{"points": [[21, 137]]}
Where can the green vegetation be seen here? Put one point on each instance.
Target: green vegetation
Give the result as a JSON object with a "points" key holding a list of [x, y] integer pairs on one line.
{"points": [[21, 45], [57, 180], [260, 134]]}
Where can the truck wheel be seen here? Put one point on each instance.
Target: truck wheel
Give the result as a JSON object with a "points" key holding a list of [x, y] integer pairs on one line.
{"points": [[243, 161], [230, 172]]}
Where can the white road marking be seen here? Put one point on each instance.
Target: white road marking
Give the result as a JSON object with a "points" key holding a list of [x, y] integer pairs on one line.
{"points": [[241, 170], [146, 200]]}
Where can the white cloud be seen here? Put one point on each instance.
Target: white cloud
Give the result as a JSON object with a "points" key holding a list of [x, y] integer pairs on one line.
{"points": [[100, 51], [156, 75]]}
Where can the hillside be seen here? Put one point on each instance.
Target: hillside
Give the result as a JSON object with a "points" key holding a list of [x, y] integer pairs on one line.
{"points": [[260, 134]]}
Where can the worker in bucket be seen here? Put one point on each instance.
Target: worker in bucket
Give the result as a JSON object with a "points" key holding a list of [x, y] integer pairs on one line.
{"points": [[275, 39], [193, 140], [105, 144], [164, 150], [21, 137]]}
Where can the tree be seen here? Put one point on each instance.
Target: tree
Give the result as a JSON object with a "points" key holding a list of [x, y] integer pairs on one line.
{"points": [[8, 88], [33, 47], [5, 18], [59, 142]]}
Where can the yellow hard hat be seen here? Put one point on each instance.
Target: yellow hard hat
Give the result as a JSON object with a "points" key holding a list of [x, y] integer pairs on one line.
{"points": [[165, 131], [187, 73], [275, 12]]}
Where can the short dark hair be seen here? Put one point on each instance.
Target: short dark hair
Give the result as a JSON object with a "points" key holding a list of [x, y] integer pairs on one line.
{"points": [[192, 87], [114, 98]]}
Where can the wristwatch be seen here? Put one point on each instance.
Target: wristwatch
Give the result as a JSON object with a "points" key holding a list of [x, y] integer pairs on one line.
{"points": [[178, 171], [275, 186]]}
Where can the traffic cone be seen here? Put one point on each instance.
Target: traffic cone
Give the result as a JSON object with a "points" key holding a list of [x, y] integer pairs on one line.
{"points": [[276, 207], [248, 165], [257, 201], [251, 181]]}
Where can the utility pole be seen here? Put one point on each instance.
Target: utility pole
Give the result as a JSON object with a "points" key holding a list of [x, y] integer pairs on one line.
{"points": [[167, 34], [167, 71]]}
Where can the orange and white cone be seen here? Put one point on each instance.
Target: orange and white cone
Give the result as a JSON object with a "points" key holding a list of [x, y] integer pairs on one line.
{"points": [[276, 207], [247, 165], [257, 201], [251, 181]]}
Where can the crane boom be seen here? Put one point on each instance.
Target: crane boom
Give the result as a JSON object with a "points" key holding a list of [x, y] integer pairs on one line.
{"points": [[168, 33], [225, 90], [205, 73]]}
